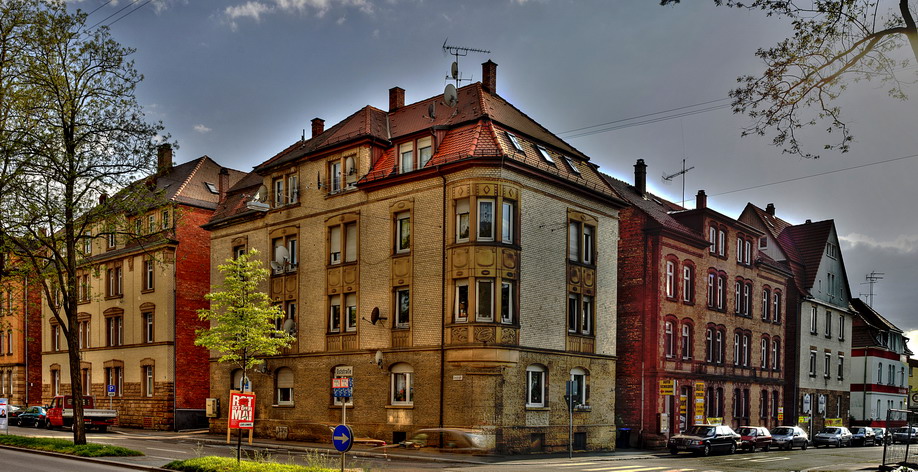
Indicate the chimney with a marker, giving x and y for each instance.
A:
(163, 157)
(701, 200)
(223, 182)
(396, 98)
(318, 126)
(489, 76)
(770, 209)
(640, 177)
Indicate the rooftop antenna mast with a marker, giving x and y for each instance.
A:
(458, 51)
(669, 178)
(872, 278)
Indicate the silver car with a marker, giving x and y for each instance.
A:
(833, 435)
(787, 437)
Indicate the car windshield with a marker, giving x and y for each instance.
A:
(702, 431)
(831, 431)
(747, 431)
(783, 431)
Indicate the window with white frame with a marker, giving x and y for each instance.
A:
(712, 238)
(670, 279)
(688, 283)
(462, 220)
(507, 302)
(485, 219)
(709, 345)
(402, 232)
(342, 243)
(280, 196)
(402, 308)
(581, 242)
(765, 349)
(148, 274)
(334, 176)
(508, 222)
(828, 324)
(114, 330)
(841, 327)
(406, 157)
(721, 242)
(686, 341)
(484, 300)
(462, 301)
(827, 368)
(880, 373)
(148, 333)
(579, 389)
(164, 219)
(484, 296)
(293, 188)
(814, 320)
(515, 141)
(669, 340)
(55, 382)
(151, 223)
(841, 366)
(402, 385)
(535, 386)
(284, 382)
(766, 303)
(776, 354)
(55, 337)
(147, 380)
(545, 155)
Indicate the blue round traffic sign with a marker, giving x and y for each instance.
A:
(342, 438)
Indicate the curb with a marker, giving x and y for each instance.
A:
(94, 460)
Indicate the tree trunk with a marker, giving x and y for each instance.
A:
(912, 33)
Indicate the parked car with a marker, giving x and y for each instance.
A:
(786, 437)
(863, 436)
(882, 436)
(837, 435)
(60, 414)
(702, 439)
(36, 416)
(12, 414)
(754, 437)
(907, 434)
(448, 439)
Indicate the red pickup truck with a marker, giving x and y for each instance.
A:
(60, 413)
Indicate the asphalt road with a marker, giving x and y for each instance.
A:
(161, 449)
(31, 462)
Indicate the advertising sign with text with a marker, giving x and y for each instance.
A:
(242, 410)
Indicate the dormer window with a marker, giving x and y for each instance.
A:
(408, 160)
(544, 153)
(515, 141)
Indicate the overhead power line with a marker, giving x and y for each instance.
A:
(645, 116)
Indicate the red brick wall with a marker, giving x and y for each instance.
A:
(192, 282)
(33, 344)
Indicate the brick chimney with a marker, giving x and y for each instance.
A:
(163, 157)
(701, 200)
(223, 182)
(489, 76)
(770, 209)
(640, 177)
(318, 126)
(396, 98)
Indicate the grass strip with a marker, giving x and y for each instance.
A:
(64, 446)
(228, 464)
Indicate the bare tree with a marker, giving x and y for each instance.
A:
(835, 43)
(83, 136)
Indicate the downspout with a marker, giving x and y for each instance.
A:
(25, 334)
(175, 260)
(443, 298)
(643, 354)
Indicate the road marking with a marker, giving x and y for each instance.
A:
(627, 468)
(168, 450)
(770, 459)
(576, 464)
(163, 458)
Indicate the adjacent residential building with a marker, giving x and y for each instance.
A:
(142, 280)
(819, 322)
(20, 322)
(879, 369)
(701, 319)
(912, 383)
(448, 258)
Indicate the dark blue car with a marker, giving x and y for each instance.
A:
(35, 416)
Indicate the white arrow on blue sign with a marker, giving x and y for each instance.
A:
(341, 438)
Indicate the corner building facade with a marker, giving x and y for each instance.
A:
(701, 325)
(459, 264)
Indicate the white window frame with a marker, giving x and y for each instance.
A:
(334, 176)
(721, 242)
(463, 220)
(579, 384)
(350, 312)
(401, 376)
(483, 232)
(283, 395)
(586, 319)
(148, 380)
(515, 141)
(335, 314)
(484, 300)
(403, 310)
(828, 324)
(403, 232)
(544, 153)
(507, 302)
(686, 341)
(687, 283)
(536, 377)
(280, 196)
(507, 221)
(406, 157)
(670, 279)
(425, 151)
(459, 315)
(293, 189)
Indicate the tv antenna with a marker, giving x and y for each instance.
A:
(872, 278)
(458, 51)
(669, 178)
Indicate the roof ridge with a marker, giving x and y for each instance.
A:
(191, 174)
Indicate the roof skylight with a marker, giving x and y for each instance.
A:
(545, 155)
(570, 163)
(212, 188)
(515, 141)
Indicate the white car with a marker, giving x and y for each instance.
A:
(833, 435)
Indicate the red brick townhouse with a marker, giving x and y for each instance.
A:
(20, 321)
(700, 327)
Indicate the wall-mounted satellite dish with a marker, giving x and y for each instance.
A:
(281, 259)
(289, 326)
(374, 316)
(454, 70)
(450, 96)
(258, 201)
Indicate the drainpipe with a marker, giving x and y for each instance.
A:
(174, 338)
(25, 334)
(442, 298)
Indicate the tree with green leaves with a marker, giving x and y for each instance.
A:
(243, 320)
(72, 132)
(835, 43)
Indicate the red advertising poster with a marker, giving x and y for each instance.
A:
(242, 410)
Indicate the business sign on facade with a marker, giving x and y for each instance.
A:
(803, 419)
(834, 422)
(667, 387)
(807, 403)
(699, 402)
(780, 415)
(242, 410)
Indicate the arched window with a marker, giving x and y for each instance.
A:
(283, 380)
(719, 346)
(709, 344)
(402, 384)
(766, 303)
(536, 386)
(236, 382)
(765, 349)
(776, 354)
(686, 340)
(580, 386)
(670, 279)
(668, 339)
(776, 311)
(688, 283)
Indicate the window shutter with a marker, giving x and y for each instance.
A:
(285, 378)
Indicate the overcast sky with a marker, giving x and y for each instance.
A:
(239, 80)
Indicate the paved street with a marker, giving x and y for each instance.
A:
(163, 447)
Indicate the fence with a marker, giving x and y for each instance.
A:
(900, 447)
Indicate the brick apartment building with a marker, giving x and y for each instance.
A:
(140, 286)
(879, 369)
(457, 260)
(20, 321)
(701, 319)
(819, 318)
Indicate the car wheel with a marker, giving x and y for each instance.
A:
(767, 447)
(673, 451)
(37, 424)
(706, 450)
(804, 446)
(732, 448)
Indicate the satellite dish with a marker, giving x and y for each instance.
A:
(450, 96)
(454, 70)
(261, 195)
(289, 326)
(281, 255)
(374, 316)
(277, 267)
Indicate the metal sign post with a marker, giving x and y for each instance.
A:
(342, 438)
(569, 396)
